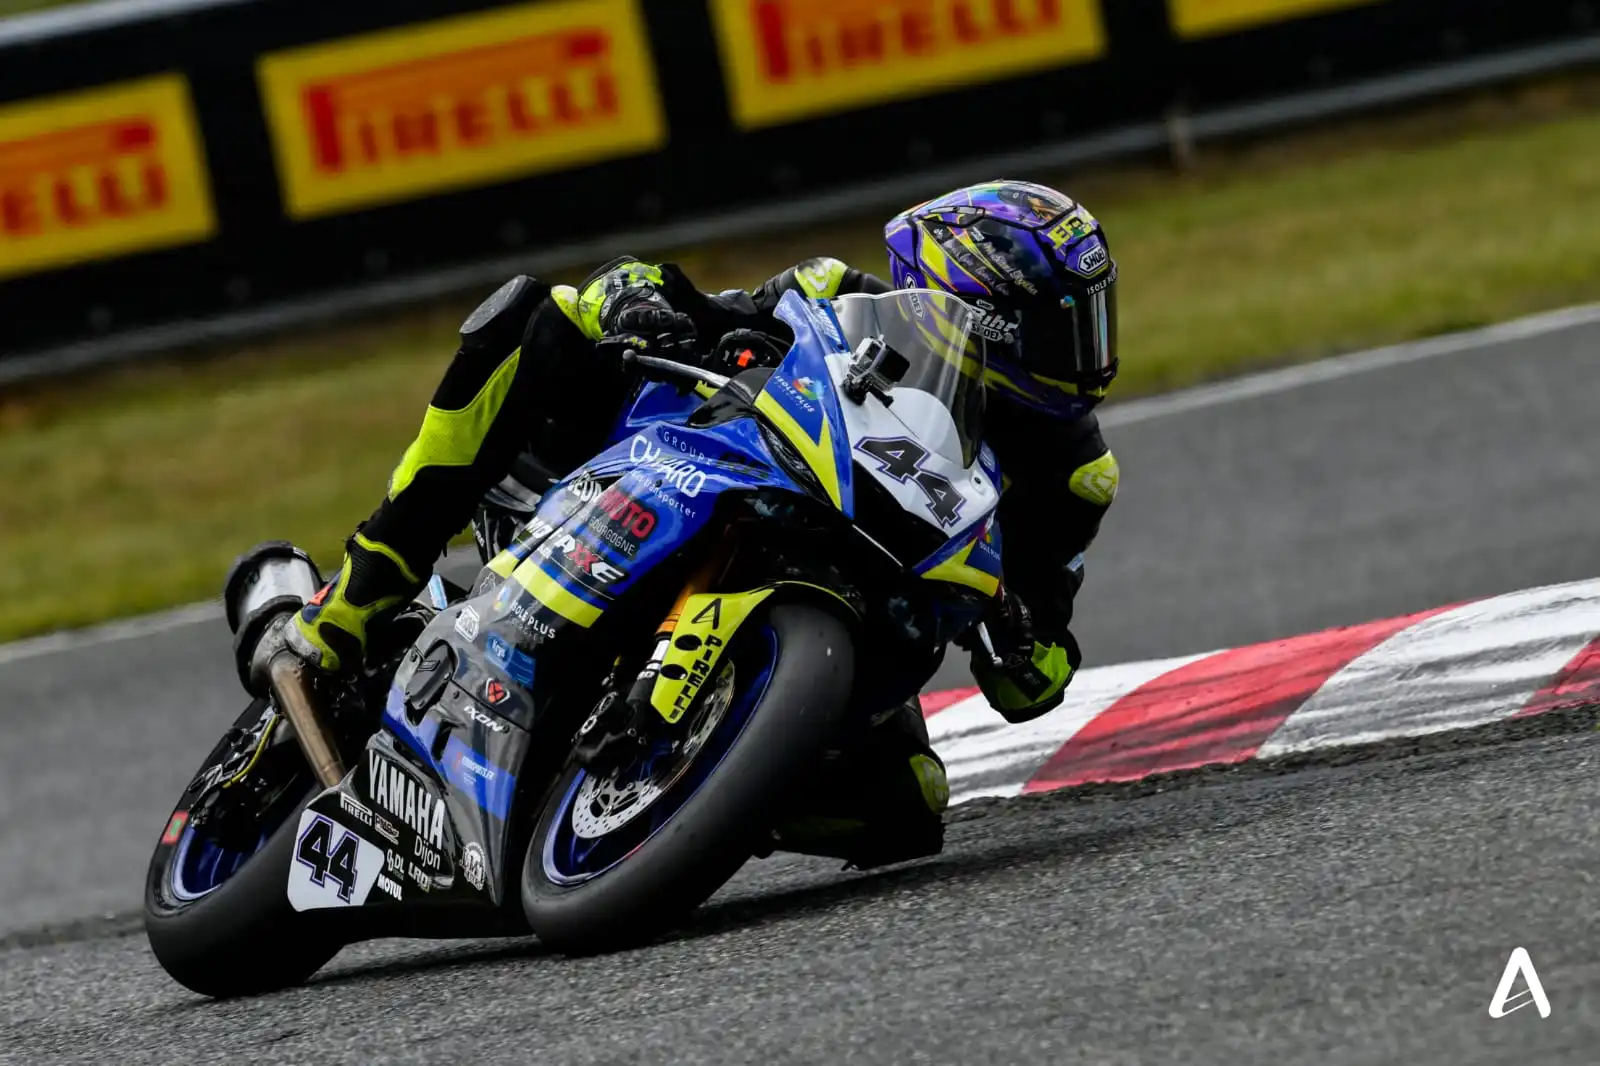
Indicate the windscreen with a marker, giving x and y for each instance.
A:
(940, 396)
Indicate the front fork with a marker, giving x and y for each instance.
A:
(628, 722)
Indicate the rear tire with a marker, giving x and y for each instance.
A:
(705, 842)
(242, 937)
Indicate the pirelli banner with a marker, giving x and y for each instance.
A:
(192, 160)
(100, 172)
(790, 59)
(472, 100)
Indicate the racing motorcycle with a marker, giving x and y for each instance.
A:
(593, 738)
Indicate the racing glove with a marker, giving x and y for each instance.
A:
(1022, 677)
(650, 329)
(330, 632)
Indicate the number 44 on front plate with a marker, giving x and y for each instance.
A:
(333, 867)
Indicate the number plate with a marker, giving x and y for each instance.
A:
(332, 867)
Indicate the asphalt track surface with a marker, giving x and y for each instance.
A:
(1312, 912)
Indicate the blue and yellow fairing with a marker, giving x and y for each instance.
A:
(802, 403)
(971, 560)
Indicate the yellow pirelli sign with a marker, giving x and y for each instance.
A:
(463, 101)
(1206, 18)
(795, 59)
(100, 173)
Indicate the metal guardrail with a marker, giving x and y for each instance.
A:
(1299, 108)
(35, 26)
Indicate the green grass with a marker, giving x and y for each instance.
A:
(133, 490)
(18, 7)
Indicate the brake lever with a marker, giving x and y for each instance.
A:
(668, 368)
(988, 644)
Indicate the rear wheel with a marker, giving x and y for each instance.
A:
(216, 906)
(615, 860)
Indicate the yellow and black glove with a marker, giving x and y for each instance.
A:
(1021, 675)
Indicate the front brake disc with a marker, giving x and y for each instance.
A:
(605, 804)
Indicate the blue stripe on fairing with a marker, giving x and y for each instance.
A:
(492, 794)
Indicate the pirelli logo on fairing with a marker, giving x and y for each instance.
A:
(104, 172)
(463, 101)
(793, 59)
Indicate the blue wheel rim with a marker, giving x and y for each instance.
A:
(201, 866)
(570, 860)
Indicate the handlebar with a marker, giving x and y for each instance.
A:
(658, 369)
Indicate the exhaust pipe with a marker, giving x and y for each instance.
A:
(266, 585)
(286, 676)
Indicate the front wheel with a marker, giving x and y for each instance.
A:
(216, 908)
(616, 860)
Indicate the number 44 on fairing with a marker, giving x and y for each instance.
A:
(333, 867)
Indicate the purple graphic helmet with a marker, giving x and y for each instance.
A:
(1037, 268)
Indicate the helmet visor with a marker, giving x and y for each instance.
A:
(1095, 323)
(1076, 346)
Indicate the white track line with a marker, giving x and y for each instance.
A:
(1197, 398)
(111, 632)
(1288, 378)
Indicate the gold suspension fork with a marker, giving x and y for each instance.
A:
(702, 579)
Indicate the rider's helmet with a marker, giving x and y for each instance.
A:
(1036, 268)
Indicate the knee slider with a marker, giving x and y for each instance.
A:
(499, 320)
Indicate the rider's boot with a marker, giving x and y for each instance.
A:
(331, 631)
(879, 799)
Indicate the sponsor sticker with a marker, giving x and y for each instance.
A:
(1205, 18)
(468, 765)
(399, 870)
(581, 490)
(385, 829)
(531, 534)
(397, 792)
(517, 664)
(682, 475)
(581, 562)
(521, 608)
(100, 173)
(1092, 258)
(622, 521)
(467, 623)
(175, 827)
(459, 102)
(472, 865)
(794, 59)
(355, 808)
(489, 721)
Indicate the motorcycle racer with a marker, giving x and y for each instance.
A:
(534, 372)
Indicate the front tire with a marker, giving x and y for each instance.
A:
(800, 706)
(222, 925)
